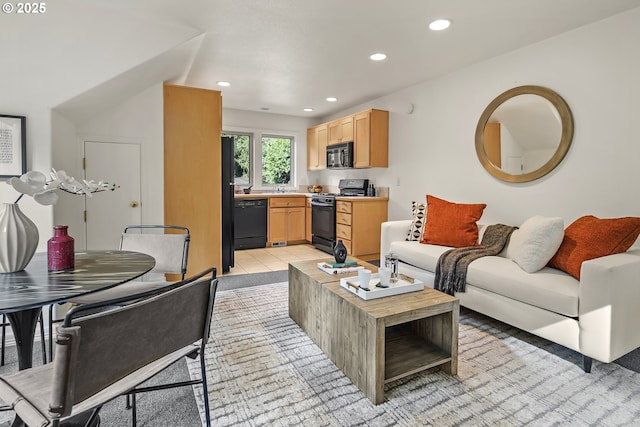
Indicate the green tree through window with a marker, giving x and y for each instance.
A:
(242, 156)
(276, 159)
(276, 152)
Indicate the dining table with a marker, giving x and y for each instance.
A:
(24, 293)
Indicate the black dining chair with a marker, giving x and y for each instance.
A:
(107, 349)
(170, 251)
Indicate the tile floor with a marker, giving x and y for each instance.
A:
(272, 259)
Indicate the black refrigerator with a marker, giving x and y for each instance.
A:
(227, 203)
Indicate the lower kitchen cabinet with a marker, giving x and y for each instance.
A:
(308, 226)
(358, 223)
(287, 222)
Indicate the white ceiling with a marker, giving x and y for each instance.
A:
(283, 55)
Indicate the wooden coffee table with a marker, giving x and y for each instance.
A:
(377, 341)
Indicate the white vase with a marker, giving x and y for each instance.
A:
(18, 238)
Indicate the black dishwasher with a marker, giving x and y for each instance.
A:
(250, 223)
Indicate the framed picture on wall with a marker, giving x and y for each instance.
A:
(13, 145)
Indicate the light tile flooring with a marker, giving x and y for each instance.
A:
(272, 259)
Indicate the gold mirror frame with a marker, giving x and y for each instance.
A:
(565, 139)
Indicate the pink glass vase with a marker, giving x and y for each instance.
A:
(60, 250)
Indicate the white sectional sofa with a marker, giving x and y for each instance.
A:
(597, 316)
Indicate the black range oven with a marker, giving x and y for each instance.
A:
(323, 212)
(323, 221)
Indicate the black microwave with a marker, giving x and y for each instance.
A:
(340, 156)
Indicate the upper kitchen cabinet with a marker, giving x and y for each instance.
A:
(369, 131)
(192, 154)
(371, 139)
(317, 138)
(341, 130)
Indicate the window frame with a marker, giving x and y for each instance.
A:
(292, 143)
(255, 155)
(251, 137)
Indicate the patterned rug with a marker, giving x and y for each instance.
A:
(263, 370)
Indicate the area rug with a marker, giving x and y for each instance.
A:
(263, 370)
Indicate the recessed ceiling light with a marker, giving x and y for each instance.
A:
(439, 24)
(223, 83)
(332, 99)
(378, 57)
(307, 109)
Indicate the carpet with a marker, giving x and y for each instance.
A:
(263, 370)
(235, 281)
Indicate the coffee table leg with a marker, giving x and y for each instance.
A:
(450, 339)
(377, 335)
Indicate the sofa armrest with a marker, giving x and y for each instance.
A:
(392, 231)
(609, 314)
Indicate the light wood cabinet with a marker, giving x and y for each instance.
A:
(317, 139)
(358, 225)
(371, 139)
(369, 131)
(192, 153)
(492, 144)
(307, 220)
(340, 130)
(286, 219)
(312, 148)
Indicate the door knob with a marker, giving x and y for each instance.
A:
(134, 204)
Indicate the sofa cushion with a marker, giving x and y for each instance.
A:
(535, 242)
(589, 237)
(451, 224)
(419, 211)
(418, 255)
(548, 288)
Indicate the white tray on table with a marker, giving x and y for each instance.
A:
(402, 286)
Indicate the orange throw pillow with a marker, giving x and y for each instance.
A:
(451, 224)
(589, 237)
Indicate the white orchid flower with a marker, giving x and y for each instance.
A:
(35, 184)
(46, 198)
(30, 183)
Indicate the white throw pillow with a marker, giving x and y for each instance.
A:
(419, 211)
(535, 242)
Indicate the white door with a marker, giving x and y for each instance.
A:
(108, 214)
(514, 165)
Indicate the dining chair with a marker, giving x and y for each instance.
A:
(107, 349)
(170, 251)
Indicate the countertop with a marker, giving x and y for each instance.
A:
(257, 195)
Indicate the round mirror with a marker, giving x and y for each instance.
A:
(524, 133)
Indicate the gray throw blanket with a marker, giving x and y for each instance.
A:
(451, 270)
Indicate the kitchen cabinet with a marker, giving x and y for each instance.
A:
(317, 138)
(307, 219)
(371, 139)
(192, 153)
(287, 220)
(340, 130)
(358, 223)
(369, 131)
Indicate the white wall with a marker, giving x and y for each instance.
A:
(596, 69)
(138, 119)
(38, 158)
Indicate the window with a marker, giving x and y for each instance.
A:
(242, 156)
(263, 160)
(276, 159)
